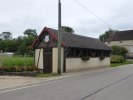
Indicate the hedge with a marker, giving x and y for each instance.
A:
(19, 71)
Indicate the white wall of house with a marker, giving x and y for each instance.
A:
(78, 63)
(55, 59)
(39, 63)
(128, 44)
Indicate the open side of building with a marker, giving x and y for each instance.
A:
(77, 52)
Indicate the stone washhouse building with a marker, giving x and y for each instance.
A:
(77, 52)
(123, 39)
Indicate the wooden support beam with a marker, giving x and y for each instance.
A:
(102, 54)
(95, 53)
(67, 52)
(81, 52)
(98, 53)
(87, 53)
(74, 52)
(91, 53)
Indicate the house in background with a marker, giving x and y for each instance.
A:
(78, 52)
(123, 39)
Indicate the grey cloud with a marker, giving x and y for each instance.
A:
(18, 15)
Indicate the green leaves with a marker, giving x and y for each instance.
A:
(19, 45)
(117, 59)
(30, 32)
(121, 51)
(67, 29)
(106, 35)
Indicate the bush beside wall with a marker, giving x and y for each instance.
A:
(117, 59)
(19, 71)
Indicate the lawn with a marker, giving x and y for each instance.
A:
(119, 64)
(29, 61)
(17, 61)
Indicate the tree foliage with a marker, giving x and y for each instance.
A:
(30, 32)
(106, 35)
(117, 59)
(67, 29)
(19, 45)
(6, 36)
(120, 51)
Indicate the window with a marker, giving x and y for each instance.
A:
(46, 39)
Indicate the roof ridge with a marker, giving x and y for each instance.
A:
(86, 36)
(124, 31)
(121, 35)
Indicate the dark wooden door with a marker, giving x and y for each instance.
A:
(47, 68)
(64, 62)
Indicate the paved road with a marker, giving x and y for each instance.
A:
(108, 84)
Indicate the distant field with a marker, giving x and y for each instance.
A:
(17, 61)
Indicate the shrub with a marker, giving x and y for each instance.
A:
(117, 59)
(85, 58)
(121, 51)
(101, 58)
(18, 69)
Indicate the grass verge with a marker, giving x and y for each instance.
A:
(120, 64)
(17, 61)
(47, 75)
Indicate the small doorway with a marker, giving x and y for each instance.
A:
(47, 68)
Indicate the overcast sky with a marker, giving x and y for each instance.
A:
(18, 15)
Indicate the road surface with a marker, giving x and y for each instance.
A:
(105, 84)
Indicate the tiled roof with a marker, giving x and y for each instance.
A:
(121, 35)
(78, 41)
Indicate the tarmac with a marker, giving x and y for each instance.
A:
(10, 82)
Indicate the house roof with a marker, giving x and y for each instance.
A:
(121, 35)
(76, 41)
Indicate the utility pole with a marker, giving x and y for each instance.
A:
(59, 37)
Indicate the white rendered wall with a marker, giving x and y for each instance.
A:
(78, 63)
(40, 62)
(55, 59)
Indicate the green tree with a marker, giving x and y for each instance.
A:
(106, 35)
(6, 36)
(11, 45)
(22, 49)
(120, 51)
(30, 32)
(67, 29)
(2, 45)
(19, 45)
(25, 43)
